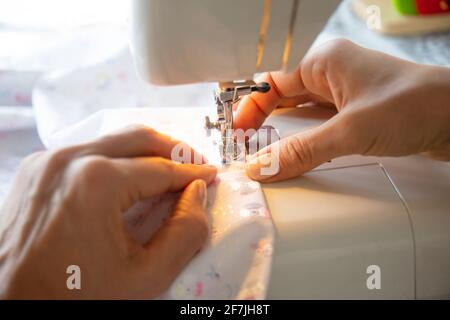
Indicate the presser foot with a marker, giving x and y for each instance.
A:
(226, 96)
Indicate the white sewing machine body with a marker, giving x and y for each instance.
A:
(333, 225)
(177, 42)
(335, 222)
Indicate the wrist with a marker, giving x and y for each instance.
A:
(436, 97)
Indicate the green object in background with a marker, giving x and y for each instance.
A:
(407, 7)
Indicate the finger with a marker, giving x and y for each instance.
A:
(292, 156)
(304, 99)
(147, 177)
(179, 238)
(138, 141)
(256, 107)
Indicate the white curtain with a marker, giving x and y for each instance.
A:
(46, 35)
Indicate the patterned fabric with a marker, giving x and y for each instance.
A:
(235, 262)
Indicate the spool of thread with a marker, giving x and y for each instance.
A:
(422, 7)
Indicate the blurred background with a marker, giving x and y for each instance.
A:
(42, 36)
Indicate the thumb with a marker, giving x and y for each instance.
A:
(180, 237)
(294, 155)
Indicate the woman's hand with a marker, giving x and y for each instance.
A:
(386, 107)
(66, 206)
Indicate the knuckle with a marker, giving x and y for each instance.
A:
(337, 45)
(31, 159)
(143, 131)
(297, 155)
(58, 159)
(30, 168)
(333, 50)
(165, 165)
(94, 171)
(329, 53)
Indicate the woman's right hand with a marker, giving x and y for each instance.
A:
(386, 107)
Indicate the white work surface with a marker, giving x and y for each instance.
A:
(105, 66)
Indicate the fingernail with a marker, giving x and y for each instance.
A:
(202, 192)
(255, 166)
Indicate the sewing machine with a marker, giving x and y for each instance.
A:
(178, 42)
(347, 221)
